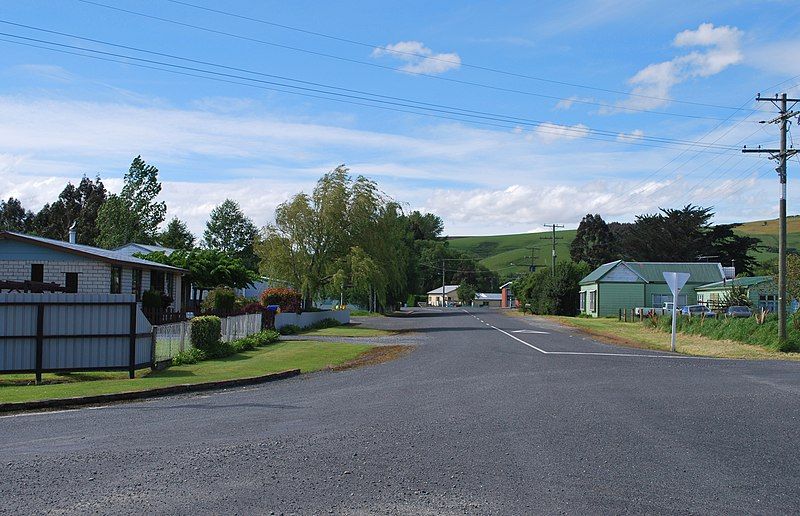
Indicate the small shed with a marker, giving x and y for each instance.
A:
(489, 299)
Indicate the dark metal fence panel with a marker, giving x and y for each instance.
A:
(61, 332)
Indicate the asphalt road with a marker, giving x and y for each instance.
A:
(484, 417)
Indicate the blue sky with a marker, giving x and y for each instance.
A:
(549, 151)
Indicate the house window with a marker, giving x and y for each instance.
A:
(136, 283)
(37, 272)
(592, 300)
(660, 299)
(71, 282)
(583, 301)
(170, 285)
(157, 281)
(116, 280)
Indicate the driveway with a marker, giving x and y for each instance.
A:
(489, 415)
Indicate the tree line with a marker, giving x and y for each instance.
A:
(344, 240)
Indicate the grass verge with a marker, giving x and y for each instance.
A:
(348, 330)
(308, 356)
(637, 335)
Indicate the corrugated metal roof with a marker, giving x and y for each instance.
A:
(133, 247)
(447, 289)
(599, 272)
(489, 296)
(105, 255)
(737, 282)
(699, 272)
(653, 272)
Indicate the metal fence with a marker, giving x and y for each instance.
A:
(171, 339)
(72, 332)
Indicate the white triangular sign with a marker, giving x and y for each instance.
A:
(676, 281)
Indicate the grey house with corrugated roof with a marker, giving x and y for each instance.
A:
(625, 285)
(83, 268)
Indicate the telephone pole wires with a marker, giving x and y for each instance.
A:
(553, 238)
(781, 155)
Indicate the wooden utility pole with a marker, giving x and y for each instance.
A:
(781, 155)
(553, 238)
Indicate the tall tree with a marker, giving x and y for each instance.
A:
(75, 205)
(425, 226)
(593, 243)
(176, 235)
(14, 217)
(228, 229)
(134, 215)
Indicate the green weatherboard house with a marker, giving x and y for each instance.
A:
(625, 285)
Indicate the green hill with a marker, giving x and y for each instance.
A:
(509, 255)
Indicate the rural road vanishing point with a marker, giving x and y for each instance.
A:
(488, 415)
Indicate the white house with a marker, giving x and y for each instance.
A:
(83, 268)
(489, 299)
(435, 295)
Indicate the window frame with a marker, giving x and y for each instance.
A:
(116, 280)
(37, 269)
(67, 276)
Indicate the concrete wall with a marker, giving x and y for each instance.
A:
(64, 317)
(308, 318)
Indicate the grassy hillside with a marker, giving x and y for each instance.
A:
(499, 252)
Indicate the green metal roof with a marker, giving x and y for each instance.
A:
(599, 272)
(653, 272)
(737, 282)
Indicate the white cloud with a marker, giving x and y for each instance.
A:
(550, 132)
(632, 136)
(570, 101)
(720, 49)
(418, 58)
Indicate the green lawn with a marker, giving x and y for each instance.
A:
(638, 335)
(348, 331)
(308, 356)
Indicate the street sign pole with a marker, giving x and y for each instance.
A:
(675, 282)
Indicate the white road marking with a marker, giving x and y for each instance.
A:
(532, 331)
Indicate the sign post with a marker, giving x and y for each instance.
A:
(675, 282)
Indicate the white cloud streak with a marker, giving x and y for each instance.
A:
(418, 58)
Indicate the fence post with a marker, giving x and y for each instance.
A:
(132, 343)
(619, 315)
(153, 332)
(39, 341)
(184, 324)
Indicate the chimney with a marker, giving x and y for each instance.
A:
(73, 234)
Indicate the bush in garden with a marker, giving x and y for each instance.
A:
(325, 323)
(151, 300)
(190, 356)
(253, 308)
(288, 299)
(290, 329)
(206, 332)
(221, 300)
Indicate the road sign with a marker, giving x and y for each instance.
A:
(675, 282)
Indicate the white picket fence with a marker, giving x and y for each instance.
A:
(174, 338)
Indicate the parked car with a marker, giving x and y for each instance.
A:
(738, 311)
(697, 311)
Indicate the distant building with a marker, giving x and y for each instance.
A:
(134, 248)
(762, 292)
(435, 295)
(507, 296)
(84, 269)
(625, 285)
(490, 299)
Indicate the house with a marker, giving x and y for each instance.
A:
(761, 291)
(489, 299)
(625, 285)
(435, 295)
(84, 269)
(506, 295)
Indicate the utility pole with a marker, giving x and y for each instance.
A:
(443, 270)
(533, 257)
(553, 238)
(781, 155)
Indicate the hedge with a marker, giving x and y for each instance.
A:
(206, 332)
(288, 299)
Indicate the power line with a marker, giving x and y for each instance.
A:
(540, 126)
(373, 46)
(391, 68)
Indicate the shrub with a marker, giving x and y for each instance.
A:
(190, 356)
(267, 337)
(290, 329)
(221, 300)
(206, 332)
(325, 323)
(288, 299)
(253, 308)
(220, 350)
(151, 300)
